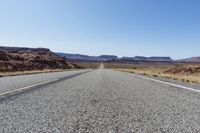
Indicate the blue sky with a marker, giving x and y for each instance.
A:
(95, 27)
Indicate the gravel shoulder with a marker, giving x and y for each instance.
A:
(186, 84)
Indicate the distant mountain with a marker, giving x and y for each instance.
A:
(191, 59)
(142, 58)
(108, 57)
(111, 57)
(24, 49)
(88, 58)
(75, 56)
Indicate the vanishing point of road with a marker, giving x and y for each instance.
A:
(97, 101)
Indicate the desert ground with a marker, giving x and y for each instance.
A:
(187, 72)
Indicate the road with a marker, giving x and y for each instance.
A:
(99, 101)
(17, 82)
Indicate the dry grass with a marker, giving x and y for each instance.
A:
(4, 74)
(161, 72)
(183, 72)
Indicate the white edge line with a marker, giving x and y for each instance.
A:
(175, 85)
(27, 87)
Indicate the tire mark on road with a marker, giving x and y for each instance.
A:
(16, 92)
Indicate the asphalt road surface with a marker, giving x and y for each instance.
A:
(17, 82)
(102, 101)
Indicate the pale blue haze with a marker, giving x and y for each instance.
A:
(94, 27)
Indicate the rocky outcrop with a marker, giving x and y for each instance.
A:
(4, 55)
(20, 59)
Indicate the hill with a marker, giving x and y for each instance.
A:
(21, 59)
